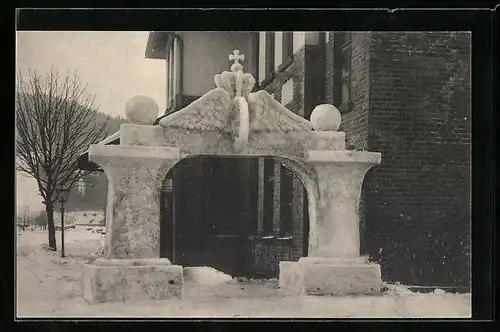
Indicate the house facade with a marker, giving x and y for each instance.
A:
(404, 94)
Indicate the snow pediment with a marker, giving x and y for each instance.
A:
(233, 110)
(216, 111)
(232, 120)
(240, 120)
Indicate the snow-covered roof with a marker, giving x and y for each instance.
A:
(110, 138)
(83, 160)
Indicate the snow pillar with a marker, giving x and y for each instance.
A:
(340, 177)
(131, 268)
(135, 174)
(334, 265)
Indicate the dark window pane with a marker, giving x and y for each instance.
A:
(268, 196)
(170, 72)
(342, 68)
(287, 45)
(269, 53)
(254, 192)
(286, 192)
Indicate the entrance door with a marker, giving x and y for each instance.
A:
(228, 216)
(209, 216)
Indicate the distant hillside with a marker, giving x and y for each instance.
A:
(94, 196)
(113, 123)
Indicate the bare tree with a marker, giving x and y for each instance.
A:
(55, 123)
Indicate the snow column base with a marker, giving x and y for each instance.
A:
(119, 280)
(326, 276)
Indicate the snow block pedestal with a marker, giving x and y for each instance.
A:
(329, 276)
(119, 280)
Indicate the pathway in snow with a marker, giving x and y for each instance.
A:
(48, 285)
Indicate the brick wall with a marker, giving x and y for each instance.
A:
(418, 200)
(411, 101)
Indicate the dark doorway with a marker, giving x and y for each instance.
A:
(210, 211)
(207, 215)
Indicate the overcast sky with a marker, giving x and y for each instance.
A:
(112, 63)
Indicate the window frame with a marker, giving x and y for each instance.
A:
(269, 65)
(268, 192)
(342, 56)
(175, 59)
(269, 54)
(261, 77)
(286, 204)
(287, 49)
(170, 83)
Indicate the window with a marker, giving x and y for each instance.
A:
(167, 77)
(275, 199)
(286, 192)
(262, 56)
(170, 77)
(174, 71)
(176, 74)
(268, 197)
(278, 49)
(269, 53)
(275, 48)
(342, 69)
(283, 48)
(287, 45)
(299, 40)
(327, 36)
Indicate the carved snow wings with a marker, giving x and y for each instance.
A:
(216, 111)
(268, 115)
(210, 112)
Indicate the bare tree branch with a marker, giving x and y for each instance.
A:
(55, 124)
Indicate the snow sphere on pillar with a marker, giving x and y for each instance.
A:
(141, 110)
(326, 117)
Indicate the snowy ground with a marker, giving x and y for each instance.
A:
(50, 286)
(87, 217)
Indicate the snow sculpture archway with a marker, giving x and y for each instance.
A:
(230, 120)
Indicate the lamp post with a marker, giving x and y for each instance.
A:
(63, 198)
